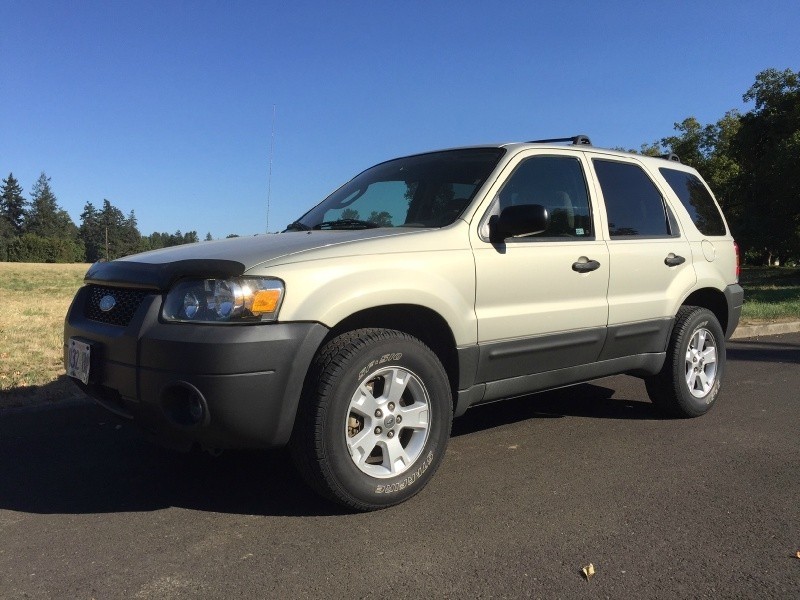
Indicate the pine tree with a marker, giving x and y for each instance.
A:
(132, 239)
(12, 205)
(110, 226)
(44, 217)
(113, 221)
(91, 232)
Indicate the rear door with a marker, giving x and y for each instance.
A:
(651, 260)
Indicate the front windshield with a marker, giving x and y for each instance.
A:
(427, 190)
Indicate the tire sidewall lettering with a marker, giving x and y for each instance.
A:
(381, 360)
(407, 480)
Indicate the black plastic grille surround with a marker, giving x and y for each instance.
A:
(126, 301)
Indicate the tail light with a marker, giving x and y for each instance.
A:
(738, 261)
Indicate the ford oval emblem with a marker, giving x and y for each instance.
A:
(107, 303)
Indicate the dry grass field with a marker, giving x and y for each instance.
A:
(33, 301)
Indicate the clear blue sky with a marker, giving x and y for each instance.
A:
(165, 108)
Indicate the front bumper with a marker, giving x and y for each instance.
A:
(247, 379)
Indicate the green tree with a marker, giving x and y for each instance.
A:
(719, 168)
(44, 216)
(689, 143)
(707, 148)
(383, 218)
(30, 247)
(12, 207)
(158, 240)
(131, 237)
(108, 233)
(750, 161)
(6, 231)
(92, 233)
(766, 148)
(208, 237)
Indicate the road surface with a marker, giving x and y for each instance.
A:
(531, 490)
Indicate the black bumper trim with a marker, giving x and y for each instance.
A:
(734, 295)
(250, 377)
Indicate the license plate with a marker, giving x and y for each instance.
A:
(78, 360)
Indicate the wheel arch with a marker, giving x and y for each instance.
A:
(713, 300)
(423, 323)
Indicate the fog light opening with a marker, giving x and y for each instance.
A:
(184, 405)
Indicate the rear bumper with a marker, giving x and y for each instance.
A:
(243, 382)
(734, 295)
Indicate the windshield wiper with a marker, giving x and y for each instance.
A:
(346, 224)
(297, 226)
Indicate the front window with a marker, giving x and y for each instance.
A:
(427, 190)
(558, 184)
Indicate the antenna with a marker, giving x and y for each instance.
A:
(271, 151)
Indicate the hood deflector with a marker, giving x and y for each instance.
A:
(160, 276)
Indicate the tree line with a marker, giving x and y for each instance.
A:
(39, 230)
(751, 161)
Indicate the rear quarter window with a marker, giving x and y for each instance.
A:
(696, 200)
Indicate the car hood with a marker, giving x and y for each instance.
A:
(225, 258)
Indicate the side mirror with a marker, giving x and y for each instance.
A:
(514, 221)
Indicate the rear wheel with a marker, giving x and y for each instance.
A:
(375, 419)
(689, 381)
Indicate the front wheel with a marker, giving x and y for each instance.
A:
(689, 381)
(375, 419)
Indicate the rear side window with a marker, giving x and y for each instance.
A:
(634, 205)
(696, 200)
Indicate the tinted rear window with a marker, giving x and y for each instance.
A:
(633, 203)
(696, 200)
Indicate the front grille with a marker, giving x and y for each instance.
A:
(126, 301)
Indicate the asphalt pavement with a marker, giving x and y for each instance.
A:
(531, 490)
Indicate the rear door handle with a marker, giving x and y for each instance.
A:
(584, 265)
(673, 260)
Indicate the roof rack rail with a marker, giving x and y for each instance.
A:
(577, 140)
(670, 156)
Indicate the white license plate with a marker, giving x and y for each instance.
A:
(78, 360)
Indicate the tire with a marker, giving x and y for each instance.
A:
(690, 379)
(374, 420)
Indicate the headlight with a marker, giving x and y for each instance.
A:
(234, 300)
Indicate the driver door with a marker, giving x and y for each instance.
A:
(537, 308)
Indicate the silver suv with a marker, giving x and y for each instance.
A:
(424, 286)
